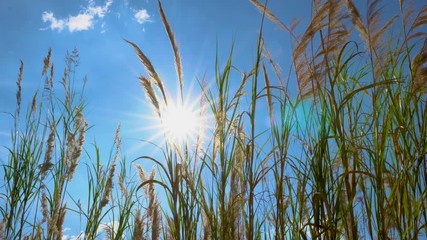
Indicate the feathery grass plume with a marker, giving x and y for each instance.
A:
(316, 24)
(153, 207)
(236, 200)
(309, 72)
(80, 126)
(109, 183)
(357, 20)
(154, 77)
(48, 84)
(276, 68)
(150, 94)
(264, 10)
(415, 29)
(156, 219)
(138, 226)
(122, 186)
(64, 83)
(337, 32)
(50, 145)
(178, 64)
(34, 103)
(19, 93)
(2, 223)
(52, 74)
(108, 186)
(60, 222)
(109, 231)
(141, 173)
(371, 33)
(71, 144)
(206, 227)
(44, 205)
(46, 62)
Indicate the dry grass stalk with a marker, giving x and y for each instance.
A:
(172, 40)
(60, 222)
(276, 68)
(154, 77)
(153, 211)
(150, 94)
(337, 34)
(236, 201)
(415, 30)
(264, 10)
(75, 148)
(34, 104)
(64, 83)
(156, 219)
(109, 231)
(309, 72)
(357, 20)
(50, 145)
(371, 33)
(109, 183)
(141, 173)
(108, 186)
(52, 73)
(19, 93)
(206, 227)
(46, 62)
(2, 223)
(138, 226)
(44, 205)
(122, 186)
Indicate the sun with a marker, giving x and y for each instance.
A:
(180, 123)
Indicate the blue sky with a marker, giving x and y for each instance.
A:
(98, 29)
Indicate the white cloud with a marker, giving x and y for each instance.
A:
(142, 16)
(99, 11)
(80, 22)
(55, 24)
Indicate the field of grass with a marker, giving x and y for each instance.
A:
(346, 159)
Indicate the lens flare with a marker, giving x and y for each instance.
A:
(180, 123)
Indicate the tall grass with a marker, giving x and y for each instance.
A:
(344, 159)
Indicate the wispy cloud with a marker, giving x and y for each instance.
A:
(99, 11)
(55, 24)
(142, 16)
(80, 22)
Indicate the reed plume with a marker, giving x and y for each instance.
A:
(177, 56)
